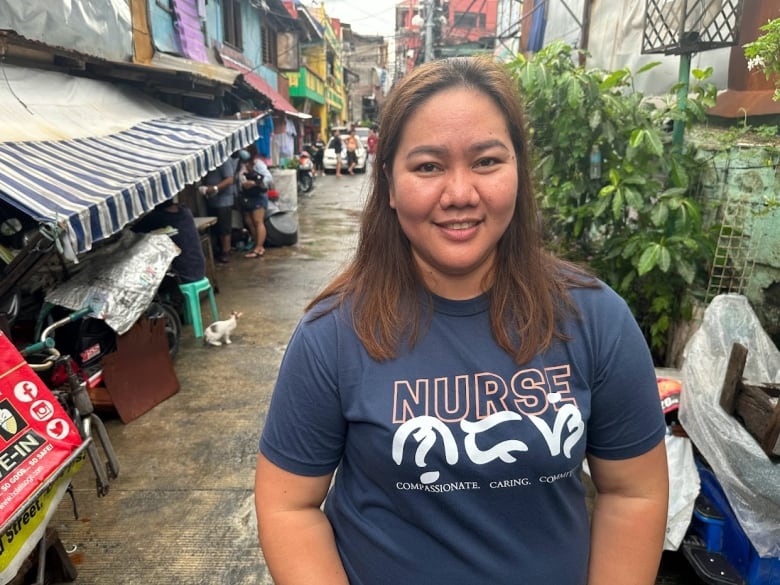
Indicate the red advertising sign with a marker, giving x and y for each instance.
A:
(36, 434)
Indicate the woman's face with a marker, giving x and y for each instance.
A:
(453, 186)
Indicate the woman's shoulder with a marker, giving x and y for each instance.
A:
(327, 313)
(326, 326)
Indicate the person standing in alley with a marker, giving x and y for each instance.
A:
(319, 151)
(337, 147)
(261, 168)
(220, 192)
(254, 179)
(371, 143)
(352, 146)
(437, 402)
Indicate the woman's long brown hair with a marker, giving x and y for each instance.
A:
(529, 288)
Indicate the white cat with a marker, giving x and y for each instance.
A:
(218, 331)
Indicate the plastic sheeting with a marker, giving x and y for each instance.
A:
(104, 27)
(615, 41)
(684, 486)
(120, 281)
(749, 478)
(37, 105)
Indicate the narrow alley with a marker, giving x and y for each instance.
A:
(181, 510)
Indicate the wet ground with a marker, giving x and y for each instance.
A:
(182, 508)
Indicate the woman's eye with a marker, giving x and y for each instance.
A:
(486, 162)
(427, 167)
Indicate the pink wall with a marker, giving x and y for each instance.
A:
(467, 33)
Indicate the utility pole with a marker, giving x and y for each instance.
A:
(429, 30)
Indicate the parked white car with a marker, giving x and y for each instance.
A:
(362, 133)
(329, 156)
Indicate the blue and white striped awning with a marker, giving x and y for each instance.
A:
(95, 186)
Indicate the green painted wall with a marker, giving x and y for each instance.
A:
(743, 182)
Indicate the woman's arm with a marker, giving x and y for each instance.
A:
(295, 535)
(629, 518)
(243, 183)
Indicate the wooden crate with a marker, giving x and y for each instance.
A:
(755, 406)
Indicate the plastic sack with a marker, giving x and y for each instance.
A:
(749, 478)
(683, 489)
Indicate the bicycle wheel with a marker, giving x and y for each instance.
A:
(158, 310)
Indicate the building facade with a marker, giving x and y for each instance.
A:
(366, 57)
(431, 29)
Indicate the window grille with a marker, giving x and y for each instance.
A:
(677, 27)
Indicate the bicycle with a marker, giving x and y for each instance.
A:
(74, 398)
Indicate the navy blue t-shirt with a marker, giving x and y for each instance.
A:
(456, 465)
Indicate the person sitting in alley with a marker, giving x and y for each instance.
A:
(190, 264)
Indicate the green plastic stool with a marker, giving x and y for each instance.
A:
(192, 314)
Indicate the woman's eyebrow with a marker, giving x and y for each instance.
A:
(487, 144)
(430, 149)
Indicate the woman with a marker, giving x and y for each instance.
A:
(253, 201)
(457, 376)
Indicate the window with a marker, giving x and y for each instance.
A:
(270, 47)
(400, 18)
(288, 57)
(231, 23)
(470, 20)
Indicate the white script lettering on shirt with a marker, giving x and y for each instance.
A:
(566, 431)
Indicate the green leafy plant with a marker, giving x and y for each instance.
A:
(636, 220)
(764, 53)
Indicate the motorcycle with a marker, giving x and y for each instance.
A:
(305, 173)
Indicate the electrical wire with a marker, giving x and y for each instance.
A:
(8, 81)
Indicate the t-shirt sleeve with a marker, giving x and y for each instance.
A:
(262, 170)
(227, 169)
(626, 417)
(305, 429)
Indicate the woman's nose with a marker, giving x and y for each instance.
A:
(459, 189)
